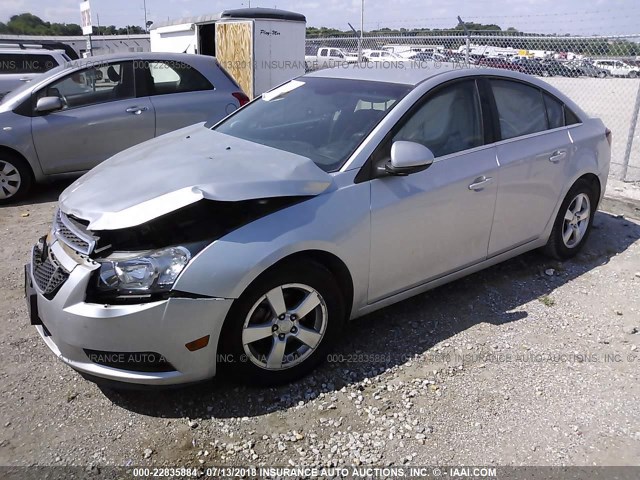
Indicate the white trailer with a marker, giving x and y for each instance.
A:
(260, 47)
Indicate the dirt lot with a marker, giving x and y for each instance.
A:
(531, 362)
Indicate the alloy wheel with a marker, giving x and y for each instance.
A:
(576, 220)
(10, 180)
(284, 327)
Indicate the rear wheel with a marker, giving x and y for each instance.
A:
(573, 223)
(283, 325)
(15, 177)
(633, 74)
(602, 74)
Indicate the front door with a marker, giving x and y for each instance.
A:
(437, 221)
(101, 117)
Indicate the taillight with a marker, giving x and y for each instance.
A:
(607, 133)
(241, 97)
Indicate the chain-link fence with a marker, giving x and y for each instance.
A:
(601, 74)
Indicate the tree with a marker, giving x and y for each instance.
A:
(29, 24)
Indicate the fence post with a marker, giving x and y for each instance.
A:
(632, 131)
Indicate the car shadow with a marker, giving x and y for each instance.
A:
(389, 337)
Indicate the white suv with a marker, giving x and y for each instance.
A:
(19, 65)
(618, 68)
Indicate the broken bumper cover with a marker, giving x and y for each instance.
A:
(91, 337)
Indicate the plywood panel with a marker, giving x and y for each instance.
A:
(234, 51)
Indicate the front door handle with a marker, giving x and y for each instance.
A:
(136, 110)
(25, 79)
(480, 182)
(557, 156)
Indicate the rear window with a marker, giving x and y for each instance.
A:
(17, 63)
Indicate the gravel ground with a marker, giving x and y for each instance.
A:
(531, 362)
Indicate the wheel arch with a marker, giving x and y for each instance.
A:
(328, 260)
(13, 151)
(595, 182)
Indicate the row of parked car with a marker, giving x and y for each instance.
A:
(326, 57)
(574, 68)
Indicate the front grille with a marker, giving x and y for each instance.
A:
(48, 274)
(131, 361)
(73, 233)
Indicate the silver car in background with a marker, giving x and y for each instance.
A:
(85, 111)
(245, 247)
(21, 64)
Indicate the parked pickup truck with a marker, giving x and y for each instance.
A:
(327, 57)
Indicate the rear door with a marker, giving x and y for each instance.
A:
(101, 117)
(534, 156)
(181, 95)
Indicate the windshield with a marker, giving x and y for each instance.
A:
(324, 119)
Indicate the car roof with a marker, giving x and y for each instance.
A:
(113, 57)
(402, 74)
(30, 51)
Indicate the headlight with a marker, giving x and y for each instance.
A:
(149, 272)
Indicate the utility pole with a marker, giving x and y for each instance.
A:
(466, 33)
(361, 32)
(144, 3)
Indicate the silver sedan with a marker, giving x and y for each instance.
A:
(85, 111)
(329, 197)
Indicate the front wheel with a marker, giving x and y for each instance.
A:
(283, 325)
(573, 223)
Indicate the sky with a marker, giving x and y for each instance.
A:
(600, 17)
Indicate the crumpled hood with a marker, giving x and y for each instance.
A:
(182, 167)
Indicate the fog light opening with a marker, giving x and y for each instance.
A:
(198, 344)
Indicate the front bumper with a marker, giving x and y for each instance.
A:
(70, 326)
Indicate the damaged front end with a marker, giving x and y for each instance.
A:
(141, 263)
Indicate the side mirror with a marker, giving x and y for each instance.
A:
(407, 158)
(48, 104)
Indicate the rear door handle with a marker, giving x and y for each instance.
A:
(136, 110)
(557, 156)
(480, 182)
(25, 79)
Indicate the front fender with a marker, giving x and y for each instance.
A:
(336, 222)
(15, 134)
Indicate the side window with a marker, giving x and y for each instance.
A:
(520, 108)
(323, 52)
(570, 117)
(449, 121)
(22, 64)
(173, 77)
(99, 84)
(555, 111)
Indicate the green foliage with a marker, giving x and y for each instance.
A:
(29, 24)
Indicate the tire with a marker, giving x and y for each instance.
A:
(252, 363)
(633, 74)
(15, 178)
(573, 223)
(602, 74)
